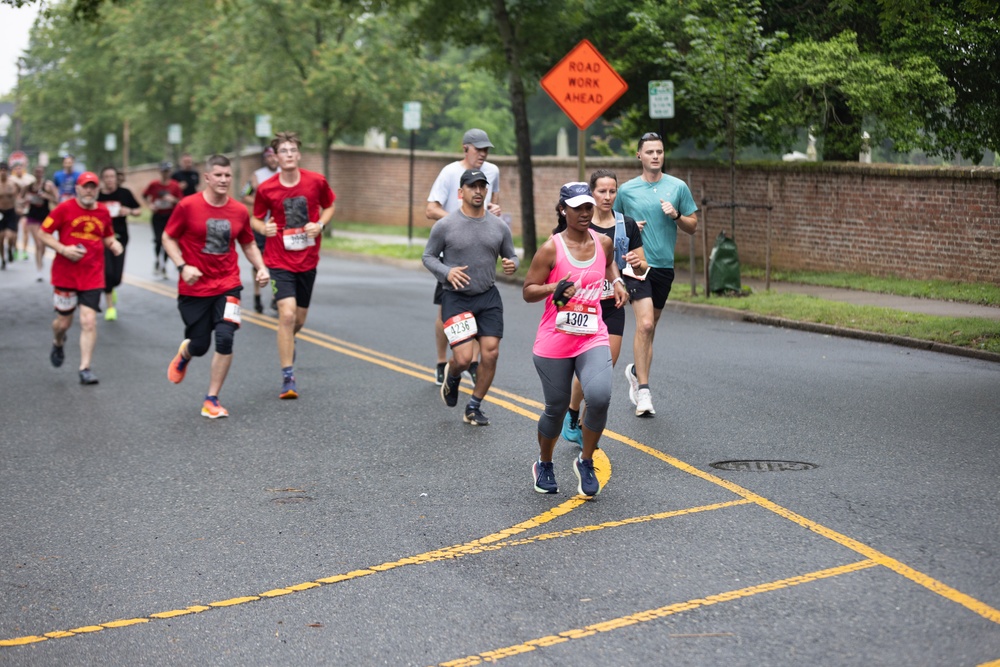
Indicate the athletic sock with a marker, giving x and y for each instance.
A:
(574, 418)
(643, 386)
(474, 403)
(288, 371)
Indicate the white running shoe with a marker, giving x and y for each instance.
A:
(644, 404)
(633, 382)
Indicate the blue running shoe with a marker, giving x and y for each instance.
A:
(572, 434)
(288, 390)
(545, 477)
(587, 481)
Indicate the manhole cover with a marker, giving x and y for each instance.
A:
(288, 500)
(763, 466)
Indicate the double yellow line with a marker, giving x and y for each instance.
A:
(502, 539)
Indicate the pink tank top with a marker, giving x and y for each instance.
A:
(578, 326)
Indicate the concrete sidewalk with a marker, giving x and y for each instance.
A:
(683, 279)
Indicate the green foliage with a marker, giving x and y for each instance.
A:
(808, 79)
(723, 69)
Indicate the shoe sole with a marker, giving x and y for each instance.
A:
(90, 382)
(470, 420)
(579, 484)
(632, 388)
(288, 395)
(173, 363)
(534, 480)
(444, 385)
(567, 438)
(645, 413)
(206, 413)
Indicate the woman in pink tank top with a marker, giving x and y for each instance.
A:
(568, 273)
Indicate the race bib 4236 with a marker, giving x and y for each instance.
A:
(461, 328)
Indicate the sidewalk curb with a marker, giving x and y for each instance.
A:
(721, 312)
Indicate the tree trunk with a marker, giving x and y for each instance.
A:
(522, 133)
(842, 135)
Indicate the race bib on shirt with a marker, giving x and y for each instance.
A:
(607, 289)
(296, 239)
(64, 301)
(461, 328)
(114, 208)
(577, 319)
(232, 311)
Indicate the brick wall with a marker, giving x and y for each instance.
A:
(911, 222)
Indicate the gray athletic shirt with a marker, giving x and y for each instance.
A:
(472, 242)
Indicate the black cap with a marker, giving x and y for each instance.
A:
(470, 176)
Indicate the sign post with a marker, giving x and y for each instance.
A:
(584, 86)
(411, 122)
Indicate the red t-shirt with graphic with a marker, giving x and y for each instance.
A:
(291, 208)
(208, 236)
(77, 225)
(157, 192)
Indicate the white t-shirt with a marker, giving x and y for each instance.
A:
(445, 188)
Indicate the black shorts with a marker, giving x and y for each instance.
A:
(660, 281)
(285, 284)
(438, 291)
(10, 218)
(202, 313)
(638, 289)
(90, 298)
(614, 318)
(486, 307)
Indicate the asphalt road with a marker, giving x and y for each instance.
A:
(365, 524)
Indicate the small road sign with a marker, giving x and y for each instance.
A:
(661, 99)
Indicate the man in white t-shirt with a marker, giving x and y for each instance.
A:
(443, 199)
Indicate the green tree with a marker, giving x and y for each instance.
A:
(832, 85)
(723, 72)
(521, 40)
(960, 37)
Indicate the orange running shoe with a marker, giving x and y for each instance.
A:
(211, 408)
(178, 365)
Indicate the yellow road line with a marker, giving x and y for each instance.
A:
(407, 368)
(653, 614)
(896, 566)
(992, 663)
(489, 543)
(967, 601)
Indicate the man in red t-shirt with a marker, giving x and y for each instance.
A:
(161, 196)
(301, 204)
(200, 239)
(85, 230)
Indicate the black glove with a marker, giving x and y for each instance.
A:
(559, 296)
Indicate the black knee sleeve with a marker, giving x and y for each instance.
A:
(224, 334)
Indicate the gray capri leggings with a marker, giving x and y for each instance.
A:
(593, 367)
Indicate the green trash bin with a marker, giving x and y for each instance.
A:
(724, 266)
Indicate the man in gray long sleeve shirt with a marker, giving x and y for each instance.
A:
(470, 241)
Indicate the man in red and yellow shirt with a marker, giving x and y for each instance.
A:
(84, 230)
(301, 204)
(201, 238)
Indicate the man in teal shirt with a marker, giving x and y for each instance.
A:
(660, 204)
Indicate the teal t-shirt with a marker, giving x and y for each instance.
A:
(641, 200)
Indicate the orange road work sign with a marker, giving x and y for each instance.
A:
(583, 84)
